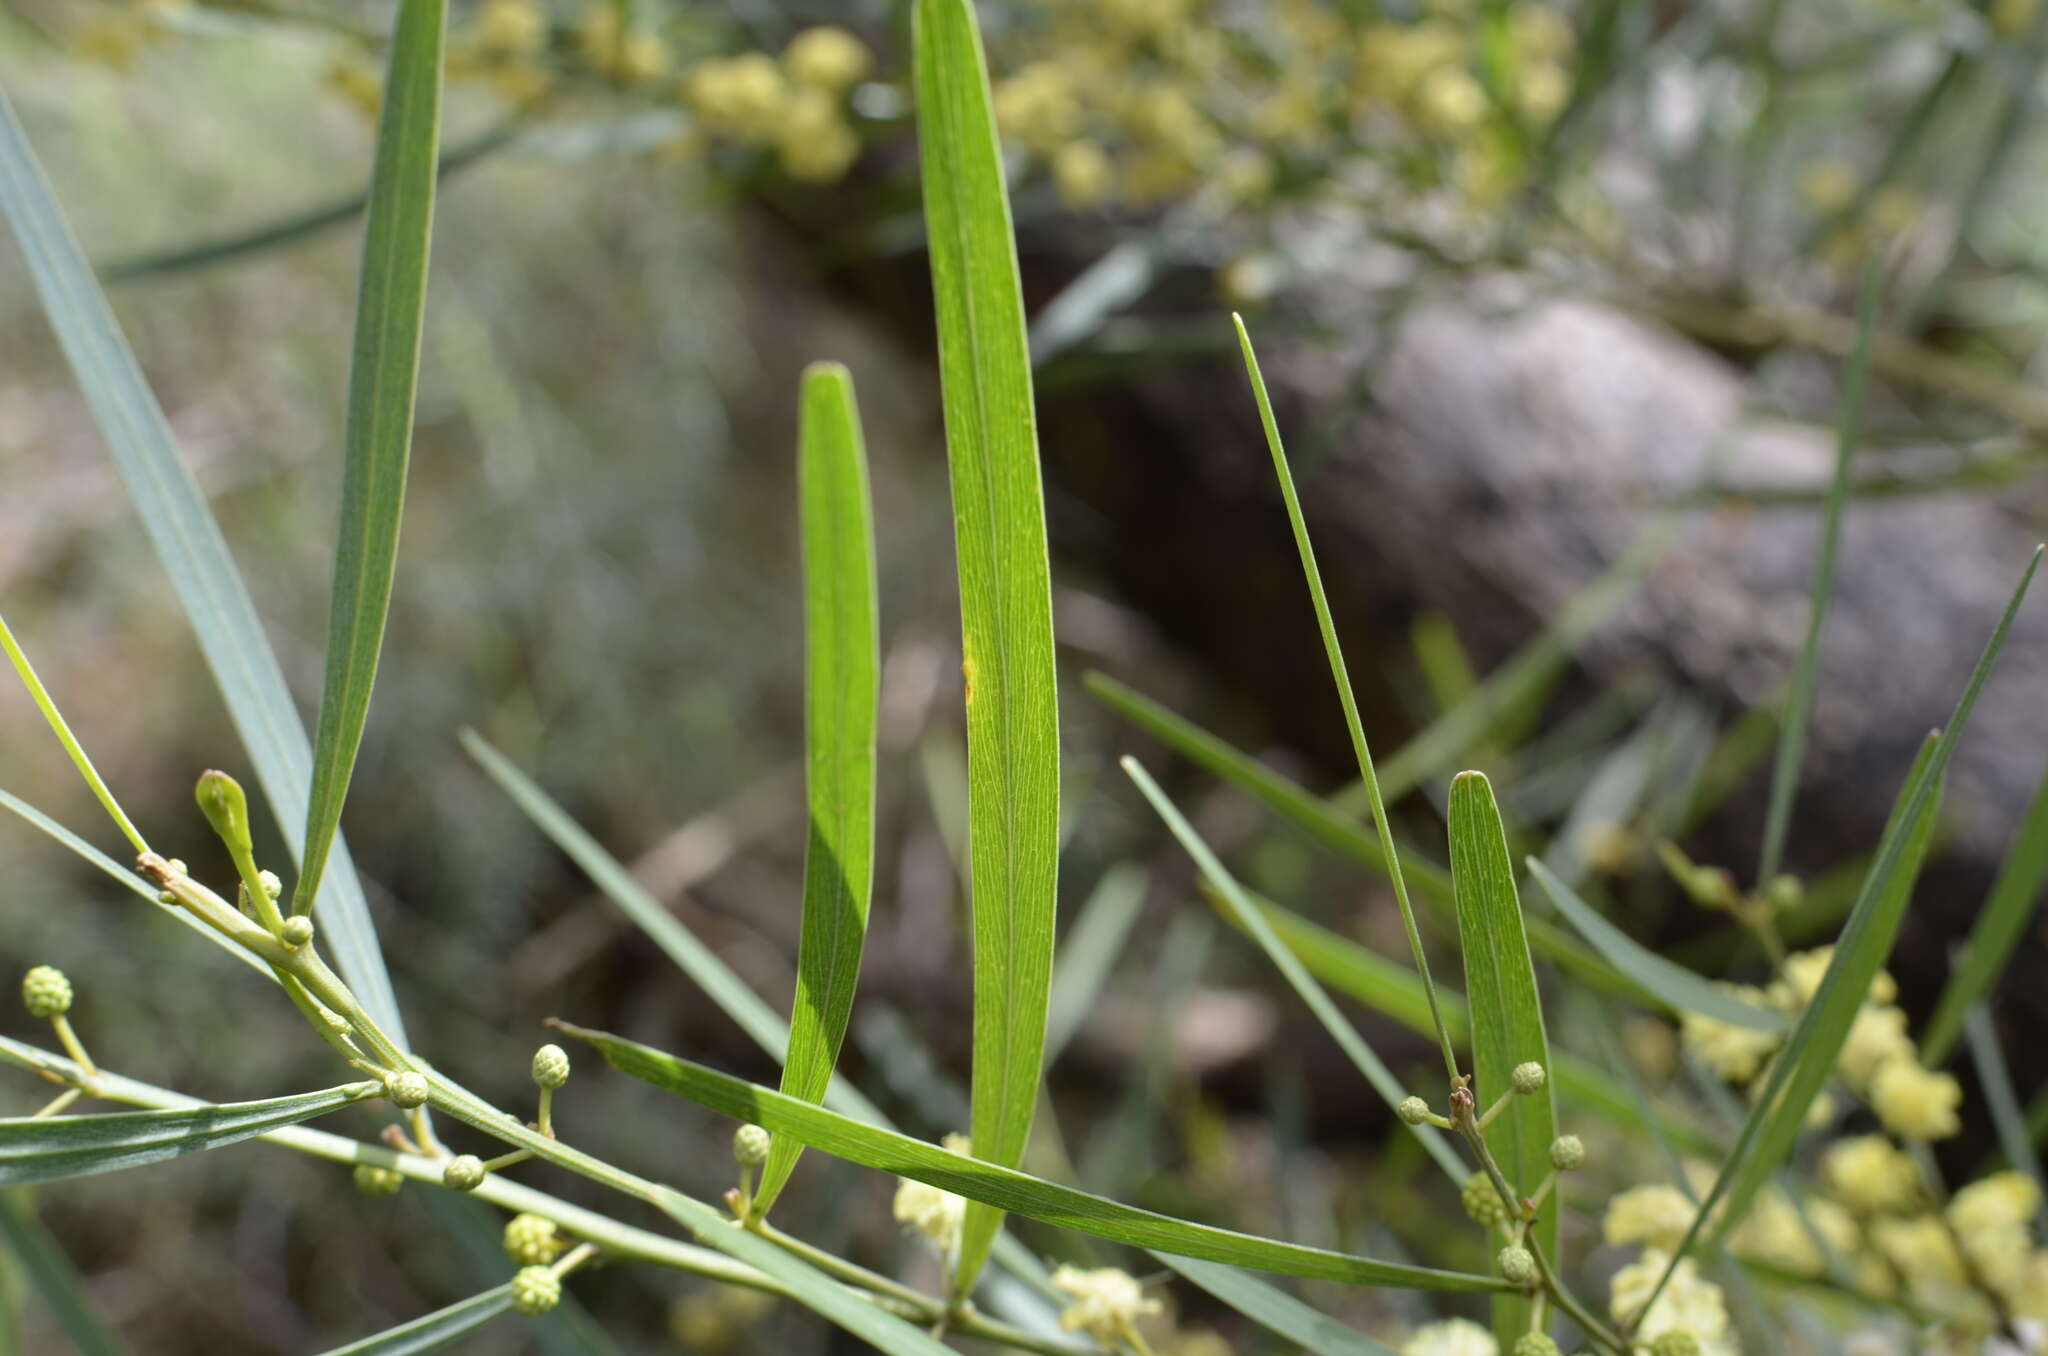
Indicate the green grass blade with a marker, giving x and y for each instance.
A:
(1334, 829)
(842, 685)
(1673, 986)
(1799, 700)
(181, 527)
(1006, 1188)
(2012, 901)
(434, 1330)
(383, 377)
(1275, 1310)
(1345, 696)
(50, 1148)
(1995, 1077)
(1797, 1074)
(62, 729)
(1507, 1013)
(1005, 587)
(1085, 958)
(46, 1266)
(1249, 919)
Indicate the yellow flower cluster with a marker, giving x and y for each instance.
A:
(1133, 102)
(1107, 1304)
(795, 106)
(1690, 1304)
(1452, 1337)
(936, 1214)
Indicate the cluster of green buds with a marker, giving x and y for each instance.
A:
(46, 993)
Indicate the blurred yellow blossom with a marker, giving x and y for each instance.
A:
(934, 1213)
(1877, 1036)
(1656, 1215)
(1915, 1102)
(1689, 1304)
(1775, 1234)
(815, 143)
(1107, 1303)
(827, 58)
(510, 28)
(1728, 1051)
(1870, 1174)
(1452, 1337)
(742, 97)
(1083, 174)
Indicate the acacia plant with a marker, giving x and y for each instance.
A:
(1504, 1124)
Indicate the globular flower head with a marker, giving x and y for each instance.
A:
(1529, 1078)
(272, 886)
(826, 58)
(407, 1090)
(532, 1241)
(1728, 1051)
(1690, 1304)
(372, 1180)
(1654, 1215)
(1535, 1344)
(934, 1213)
(750, 1145)
(1567, 1152)
(46, 992)
(464, 1172)
(535, 1290)
(1452, 1337)
(1870, 1174)
(551, 1066)
(1518, 1264)
(1482, 1202)
(1916, 1102)
(1107, 1303)
(1413, 1110)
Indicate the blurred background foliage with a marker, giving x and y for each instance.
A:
(656, 212)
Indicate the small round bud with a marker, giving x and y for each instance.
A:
(1518, 1264)
(1412, 1110)
(551, 1066)
(464, 1172)
(272, 886)
(226, 808)
(166, 897)
(407, 1090)
(46, 992)
(535, 1290)
(1535, 1344)
(372, 1180)
(750, 1146)
(297, 931)
(531, 1241)
(1482, 1202)
(1675, 1344)
(1567, 1152)
(177, 867)
(1529, 1078)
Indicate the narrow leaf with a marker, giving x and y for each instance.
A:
(59, 1283)
(842, 682)
(1799, 701)
(181, 527)
(1005, 1188)
(1342, 677)
(1994, 1076)
(62, 729)
(1005, 587)
(2014, 896)
(1275, 1310)
(383, 375)
(1250, 920)
(45, 1149)
(1674, 986)
(1507, 1014)
(434, 1330)
(1809, 1057)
